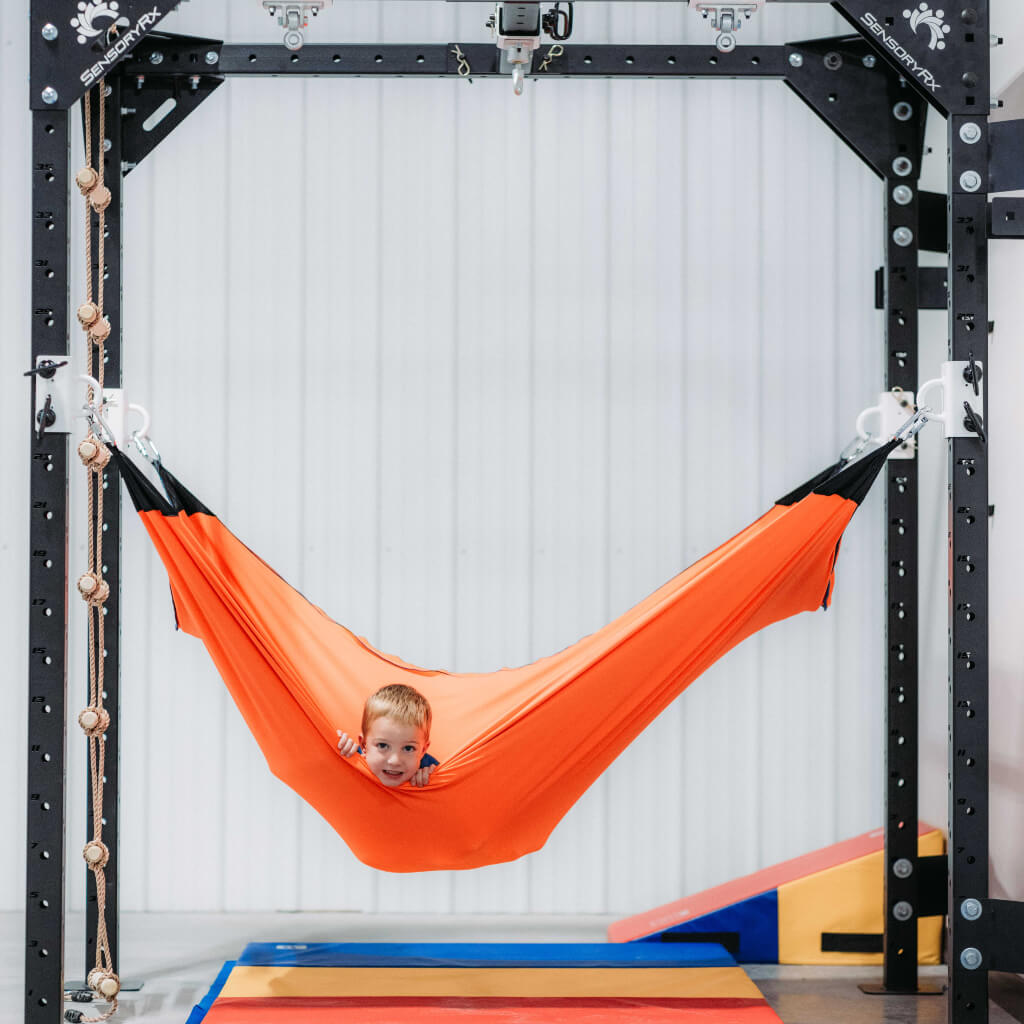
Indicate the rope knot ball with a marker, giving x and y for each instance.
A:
(96, 856)
(86, 180)
(94, 453)
(88, 314)
(94, 589)
(93, 720)
(99, 330)
(99, 198)
(104, 982)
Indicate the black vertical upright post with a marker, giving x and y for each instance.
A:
(48, 590)
(109, 650)
(968, 140)
(901, 335)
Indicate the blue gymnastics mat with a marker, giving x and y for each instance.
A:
(485, 954)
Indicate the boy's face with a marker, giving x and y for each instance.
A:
(393, 750)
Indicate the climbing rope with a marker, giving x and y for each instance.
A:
(95, 719)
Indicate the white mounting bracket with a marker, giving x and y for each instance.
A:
(516, 29)
(293, 17)
(55, 390)
(894, 408)
(727, 17)
(961, 383)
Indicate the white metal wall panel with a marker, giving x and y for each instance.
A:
(477, 373)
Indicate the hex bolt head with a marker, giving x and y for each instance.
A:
(970, 181)
(970, 132)
(211, 57)
(903, 236)
(49, 32)
(156, 57)
(970, 909)
(106, 145)
(903, 165)
(903, 111)
(971, 958)
(903, 911)
(869, 60)
(903, 194)
(49, 94)
(796, 60)
(903, 868)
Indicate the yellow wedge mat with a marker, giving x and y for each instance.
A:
(848, 898)
(521, 982)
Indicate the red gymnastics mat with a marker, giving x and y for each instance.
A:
(491, 1011)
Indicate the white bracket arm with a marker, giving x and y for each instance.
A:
(516, 28)
(962, 398)
(892, 412)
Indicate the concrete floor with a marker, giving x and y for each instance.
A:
(177, 956)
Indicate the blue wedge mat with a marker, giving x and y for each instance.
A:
(485, 954)
(201, 1008)
(755, 920)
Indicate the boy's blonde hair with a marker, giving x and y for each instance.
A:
(400, 702)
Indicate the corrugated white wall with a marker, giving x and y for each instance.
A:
(476, 373)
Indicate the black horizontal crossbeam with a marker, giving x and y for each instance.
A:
(160, 56)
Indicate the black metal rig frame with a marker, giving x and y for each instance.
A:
(871, 88)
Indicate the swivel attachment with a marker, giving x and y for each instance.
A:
(727, 16)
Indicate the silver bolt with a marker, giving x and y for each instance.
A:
(211, 57)
(970, 181)
(971, 958)
(50, 32)
(902, 165)
(995, 104)
(903, 911)
(869, 60)
(903, 111)
(796, 60)
(970, 132)
(971, 910)
(106, 145)
(156, 57)
(903, 236)
(49, 94)
(903, 868)
(903, 194)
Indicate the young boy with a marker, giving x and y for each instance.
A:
(395, 736)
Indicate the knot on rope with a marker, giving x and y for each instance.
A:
(104, 983)
(86, 180)
(96, 856)
(99, 330)
(88, 314)
(94, 453)
(94, 589)
(99, 198)
(94, 720)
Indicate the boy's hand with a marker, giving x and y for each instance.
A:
(422, 775)
(346, 745)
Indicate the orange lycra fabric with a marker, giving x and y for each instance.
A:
(517, 747)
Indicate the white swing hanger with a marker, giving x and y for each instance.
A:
(293, 17)
(727, 17)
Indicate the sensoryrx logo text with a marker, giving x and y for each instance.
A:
(96, 19)
(900, 52)
(924, 15)
(123, 44)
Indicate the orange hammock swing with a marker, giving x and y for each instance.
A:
(517, 747)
